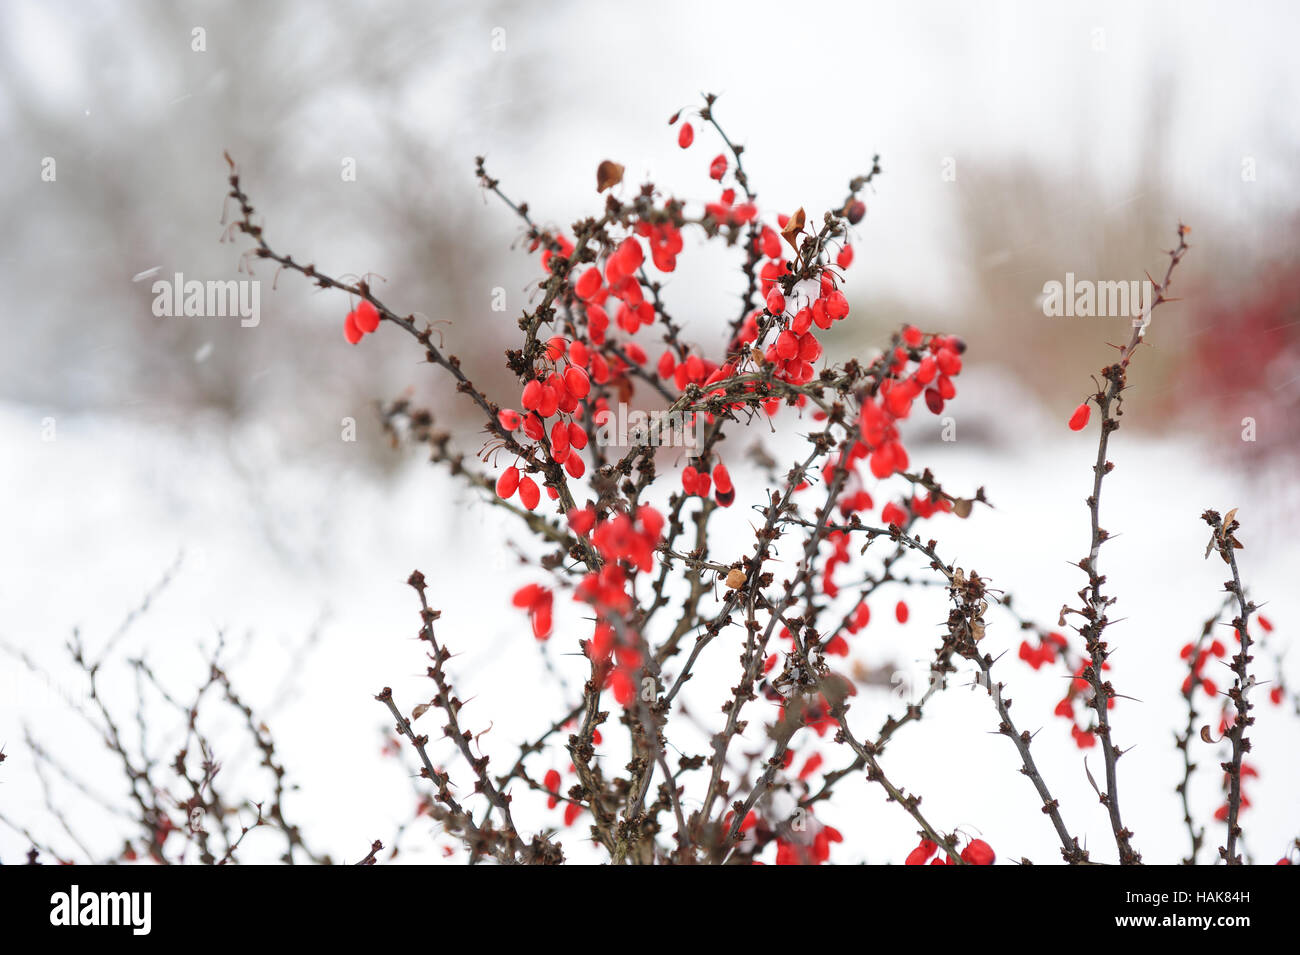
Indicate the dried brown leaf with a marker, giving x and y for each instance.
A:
(793, 227)
(608, 174)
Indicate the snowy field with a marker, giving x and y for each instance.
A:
(301, 570)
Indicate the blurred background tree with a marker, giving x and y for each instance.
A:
(1052, 142)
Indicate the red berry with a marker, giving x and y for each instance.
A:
(588, 284)
(921, 853)
(882, 462)
(597, 322)
(949, 362)
(819, 316)
(631, 255)
(549, 402)
(811, 766)
(620, 682)
(576, 380)
(541, 620)
(508, 482)
(775, 301)
(528, 595)
(837, 306)
(1079, 420)
(350, 330)
(721, 478)
(529, 493)
(532, 395)
(900, 612)
(899, 401)
(560, 441)
(787, 346)
(510, 420)
(577, 437)
(582, 520)
(845, 258)
(686, 136)
(367, 317)
(893, 514)
(614, 272)
(533, 427)
(718, 168)
(978, 852)
(667, 365)
(578, 354)
(652, 522)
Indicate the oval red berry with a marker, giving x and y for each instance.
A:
(350, 330)
(529, 493)
(367, 317)
(508, 482)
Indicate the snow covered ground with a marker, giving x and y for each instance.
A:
(302, 567)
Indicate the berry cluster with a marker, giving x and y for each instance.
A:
(632, 557)
(361, 321)
(977, 852)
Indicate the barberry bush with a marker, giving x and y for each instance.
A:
(631, 572)
(716, 717)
